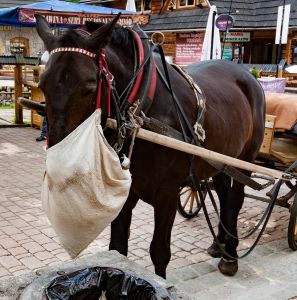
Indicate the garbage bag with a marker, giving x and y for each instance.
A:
(103, 283)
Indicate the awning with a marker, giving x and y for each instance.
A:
(62, 14)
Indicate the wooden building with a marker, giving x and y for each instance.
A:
(250, 40)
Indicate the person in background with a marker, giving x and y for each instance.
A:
(42, 137)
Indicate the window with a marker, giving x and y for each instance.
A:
(294, 52)
(19, 45)
(184, 3)
(143, 5)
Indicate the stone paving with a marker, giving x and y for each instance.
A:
(267, 274)
(27, 241)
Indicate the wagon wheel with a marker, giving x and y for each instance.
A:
(189, 203)
(292, 229)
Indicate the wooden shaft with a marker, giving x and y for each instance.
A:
(205, 153)
(202, 152)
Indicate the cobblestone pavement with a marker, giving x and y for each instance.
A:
(27, 241)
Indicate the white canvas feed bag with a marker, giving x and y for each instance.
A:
(84, 185)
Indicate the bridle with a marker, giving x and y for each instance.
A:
(103, 69)
(133, 87)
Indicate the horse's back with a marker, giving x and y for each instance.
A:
(220, 74)
(235, 103)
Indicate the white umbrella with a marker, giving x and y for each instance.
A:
(131, 5)
(206, 48)
(292, 69)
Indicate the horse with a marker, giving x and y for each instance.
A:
(234, 126)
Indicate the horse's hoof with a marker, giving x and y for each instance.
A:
(228, 267)
(215, 250)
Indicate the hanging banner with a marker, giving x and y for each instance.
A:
(188, 47)
(282, 25)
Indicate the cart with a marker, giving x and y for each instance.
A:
(278, 151)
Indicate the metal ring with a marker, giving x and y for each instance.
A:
(156, 36)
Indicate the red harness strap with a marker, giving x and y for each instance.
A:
(136, 86)
(103, 70)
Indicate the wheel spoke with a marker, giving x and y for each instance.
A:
(197, 199)
(187, 200)
(192, 202)
(186, 190)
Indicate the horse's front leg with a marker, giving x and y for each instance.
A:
(120, 227)
(164, 214)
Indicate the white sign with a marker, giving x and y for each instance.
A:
(282, 25)
(236, 36)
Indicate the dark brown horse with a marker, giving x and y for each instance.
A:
(234, 125)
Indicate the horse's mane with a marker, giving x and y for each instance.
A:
(120, 37)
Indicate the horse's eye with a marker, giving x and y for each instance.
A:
(89, 90)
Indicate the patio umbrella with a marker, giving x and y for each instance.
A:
(131, 5)
(291, 69)
(211, 40)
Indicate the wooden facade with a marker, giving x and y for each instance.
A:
(257, 18)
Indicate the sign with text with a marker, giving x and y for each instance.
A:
(59, 18)
(227, 54)
(240, 37)
(224, 22)
(188, 47)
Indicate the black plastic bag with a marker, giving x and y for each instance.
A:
(91, 283)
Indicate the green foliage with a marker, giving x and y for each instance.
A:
(7, 106)
(255, 72)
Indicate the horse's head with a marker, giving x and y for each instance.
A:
(69, 82)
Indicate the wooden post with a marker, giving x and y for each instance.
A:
(288, 50)
(165, 6)
(279, 73)
(18, 92)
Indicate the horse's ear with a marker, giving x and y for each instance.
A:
(102, 36)
(92, 26)
(44, 31)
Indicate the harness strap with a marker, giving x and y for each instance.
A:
(200, 98)
(104, 71)
(125, 105)
(136, 86)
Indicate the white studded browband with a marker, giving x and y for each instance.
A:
(73, 49)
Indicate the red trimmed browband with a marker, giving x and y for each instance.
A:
(73, 49)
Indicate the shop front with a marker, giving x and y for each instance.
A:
(235, 46)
